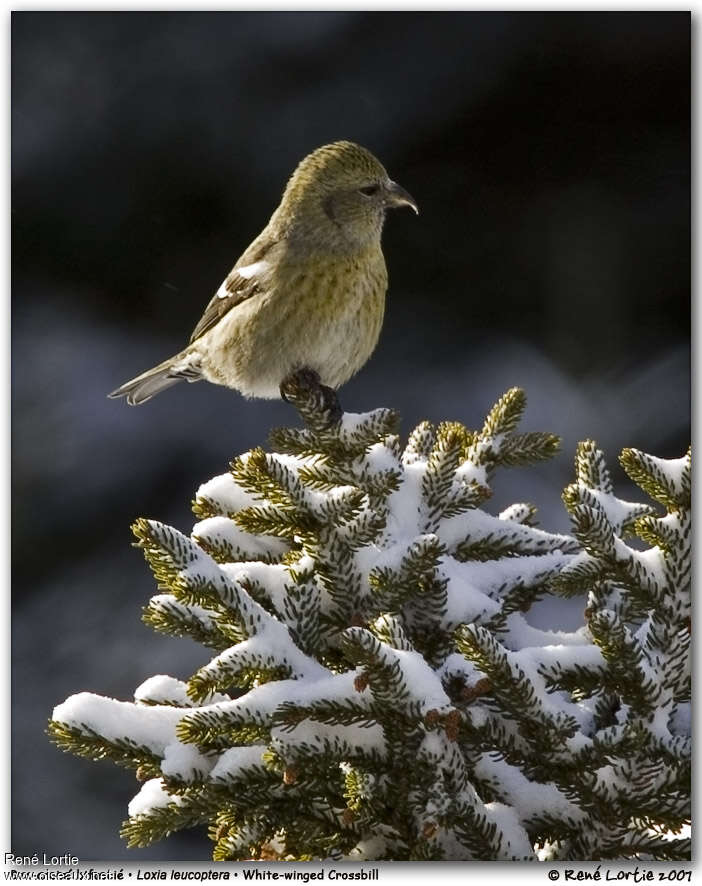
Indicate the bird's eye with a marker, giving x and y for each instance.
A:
(370, 190)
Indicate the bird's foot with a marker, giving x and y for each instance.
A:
(298, 382)
(318, 404)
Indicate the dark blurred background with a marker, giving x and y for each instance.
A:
(550, 156)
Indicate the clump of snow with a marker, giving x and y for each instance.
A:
(515, 513)
(351, 422)
(553, 658)
(432, 746)
(168, 603)
(475, 587)
(674, 469)
(227, 493)
(556, 704)
(404, 504)
(469, 472)
(234, 761)
(458, 665)
(478, 715)
(421, 680)
(273, 577)
(681, 721)
(515, 840)
(530, 799)
(184, 762)
(224, 531)
(163, 688)
(380, 458)
(520, 634)
(617, 511)
(343, 739)
(478, 525)
(153, 795)
(468, 591)
(608, 782)
(369, 849)
(149, 726)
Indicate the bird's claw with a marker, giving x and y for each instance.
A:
(318, 404)
(301, 380)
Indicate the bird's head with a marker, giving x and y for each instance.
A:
(340, 193)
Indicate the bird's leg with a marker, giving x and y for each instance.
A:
(317, 403)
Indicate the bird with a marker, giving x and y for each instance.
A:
(305, 301)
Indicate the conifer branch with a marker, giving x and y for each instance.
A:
(377, 690)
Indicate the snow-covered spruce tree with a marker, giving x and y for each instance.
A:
(377, 692)
(636, 771)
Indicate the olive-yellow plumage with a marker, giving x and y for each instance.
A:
(309, 292)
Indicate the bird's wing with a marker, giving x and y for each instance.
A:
(244, 281)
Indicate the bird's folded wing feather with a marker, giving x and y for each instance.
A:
(244, 281)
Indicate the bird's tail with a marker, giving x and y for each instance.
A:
(182, 367)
